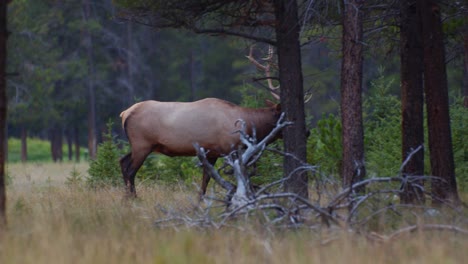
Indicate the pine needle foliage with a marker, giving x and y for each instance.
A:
(104, 170)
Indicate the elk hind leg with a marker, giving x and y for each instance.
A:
(129, 165)
(206, 177)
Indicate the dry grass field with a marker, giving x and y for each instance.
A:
(51, 222)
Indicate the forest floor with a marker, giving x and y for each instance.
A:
(52, 221)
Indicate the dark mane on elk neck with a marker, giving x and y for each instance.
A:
(171, 128)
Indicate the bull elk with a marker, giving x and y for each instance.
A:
(171, 128)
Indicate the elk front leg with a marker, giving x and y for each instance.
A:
(206, 178)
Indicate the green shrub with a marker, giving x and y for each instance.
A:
(159, 168)
(105, 169)
(382, 130)
(324, 145)
(75, 180)
(269, 167)
(459, 126)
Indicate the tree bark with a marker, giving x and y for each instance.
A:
(69, 135)
(192, 76)
(52, 144)
(131, 90)
(444, 189)
(412, 97)
(56, 142)
(292, 94)
(465, 67)
(3, 109)
(353, 168)
(59, 144)
(92, 140)
(76, 136)
(24, 144)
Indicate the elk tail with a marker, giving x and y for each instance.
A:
(126, 114)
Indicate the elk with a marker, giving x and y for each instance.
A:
(171, 128)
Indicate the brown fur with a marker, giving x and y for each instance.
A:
(171, 128)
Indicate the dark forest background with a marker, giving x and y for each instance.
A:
(60, 57)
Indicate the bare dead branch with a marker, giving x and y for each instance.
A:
(201, 154)
(413, 228)
(410, 156)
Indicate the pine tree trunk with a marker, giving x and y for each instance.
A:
(292, 94)
(412, 97)
(76, 137)
(53, 141)
(69, 135)
(59, 144)
(352, 169)
(438, 119)
(3, 109)
(192, 76)
(129, 73)
(24, 144)
(465, 66)
(56, 143)
(92, 140)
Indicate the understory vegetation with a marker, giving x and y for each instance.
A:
(51, 221)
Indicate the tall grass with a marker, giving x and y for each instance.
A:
(52, 222)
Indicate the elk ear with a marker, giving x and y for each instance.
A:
(278, 108)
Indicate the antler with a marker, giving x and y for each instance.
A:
(274, 89)
(266, 68)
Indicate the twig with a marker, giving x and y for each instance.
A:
(413, 228)
(201, 154)
(410, 156)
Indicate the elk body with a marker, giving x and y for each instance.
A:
(171, 128)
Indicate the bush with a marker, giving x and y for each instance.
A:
(105, 169)
(75, 179)
(324, 145)
(459, 126)
(382, 129)
(159, 168)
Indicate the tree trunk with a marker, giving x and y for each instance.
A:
(24, 144)
(438, 119)
(77, 144)
(52, 144)
(412, 97)
(92, 141)
(465, 66)
(59, 144)
(56, 142)
(352, 169)
(69, 135)
(3, 109)
(292, 94)
(192, 76)
(131, 90)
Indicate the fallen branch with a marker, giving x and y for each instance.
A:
(410, 229)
